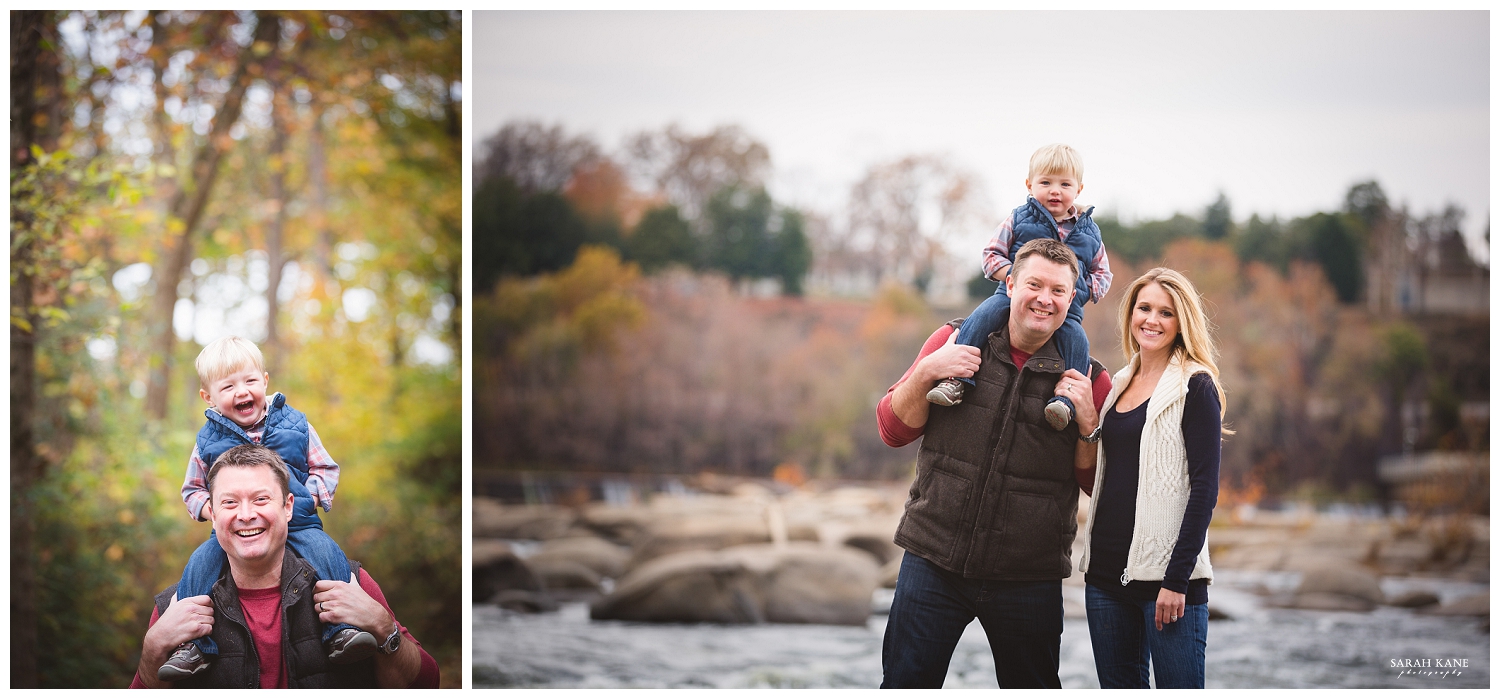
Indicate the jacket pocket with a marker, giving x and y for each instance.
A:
(935, 514)
(1030, 536)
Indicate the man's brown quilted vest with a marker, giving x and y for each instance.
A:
(307, 666)
(995, 495)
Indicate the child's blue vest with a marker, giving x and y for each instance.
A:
(286, 434)
(1032, 221)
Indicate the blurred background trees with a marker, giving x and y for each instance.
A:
(620, 329)
(290, 177)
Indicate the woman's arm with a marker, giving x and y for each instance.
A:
(1201, 438)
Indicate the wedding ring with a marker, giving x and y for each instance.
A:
(1174, 617)
(320, 609)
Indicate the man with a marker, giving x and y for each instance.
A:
(266, 614)
(991, 517)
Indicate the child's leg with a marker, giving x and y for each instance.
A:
(985, 319)
(318, 548)
(203, 570)
(1073, 345)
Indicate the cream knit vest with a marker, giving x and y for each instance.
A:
(1162, 493)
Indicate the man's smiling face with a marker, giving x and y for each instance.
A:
(250, 513)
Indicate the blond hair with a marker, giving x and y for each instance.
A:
(1194, 341)
(1056, 159)
(225, 356)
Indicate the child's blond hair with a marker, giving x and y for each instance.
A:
(225, 356)
(1056, 159)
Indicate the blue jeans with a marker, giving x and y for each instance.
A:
(1126, 640)
(1023, 621)
(306, 537)
(993, 312)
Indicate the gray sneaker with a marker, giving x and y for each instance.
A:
(184, 662)
(351, 646)
(1059, 415)
(947, 392)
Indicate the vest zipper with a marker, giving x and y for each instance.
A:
(1125, 578)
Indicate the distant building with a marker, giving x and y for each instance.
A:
(1426, 272)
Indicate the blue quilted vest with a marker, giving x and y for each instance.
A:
(1032, 221)
(286, 433)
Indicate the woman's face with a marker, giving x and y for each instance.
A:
(1153, 319)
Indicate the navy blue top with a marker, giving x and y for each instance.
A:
(1114, 515)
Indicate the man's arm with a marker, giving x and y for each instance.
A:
(184, 620)
(365, 606)
(902, 412)
(1087, 415)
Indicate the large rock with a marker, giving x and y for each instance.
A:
(700, 532)
(1415, 599)
(497, 568)
(1344, 581)
(565, 575)
(799, 583)
(603, 558)
(1323, 601)
(495, 521)
(1473, 605)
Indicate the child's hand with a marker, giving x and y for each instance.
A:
(316, 502)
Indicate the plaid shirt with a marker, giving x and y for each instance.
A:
(997, 254)
(322, 473)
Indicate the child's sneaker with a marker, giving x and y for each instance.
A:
(351, 646)
(1059, 415)
(184, 662)
(947, 392)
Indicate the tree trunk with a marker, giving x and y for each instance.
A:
(317, 175)
(186, 211)
(274, 259)
(36, 85)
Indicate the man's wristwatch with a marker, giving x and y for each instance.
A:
(1093, 437)
(393, 642)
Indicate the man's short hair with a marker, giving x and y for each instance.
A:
(1056, 159)
(1047, 249)
(225, 356)
(250, 456)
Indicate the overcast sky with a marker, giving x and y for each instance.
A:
(1282, 111)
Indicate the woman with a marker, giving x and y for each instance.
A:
(1145, 555)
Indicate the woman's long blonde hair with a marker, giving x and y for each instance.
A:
(1195, 339)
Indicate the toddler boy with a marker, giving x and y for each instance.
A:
(1054, 179)
(234, 382)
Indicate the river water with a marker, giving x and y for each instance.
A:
(1257, 647)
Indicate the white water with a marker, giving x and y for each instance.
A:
(1258, 647)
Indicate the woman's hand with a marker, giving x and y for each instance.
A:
(1169, 607)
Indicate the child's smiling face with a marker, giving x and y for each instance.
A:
(1055, 192)
(239, 396)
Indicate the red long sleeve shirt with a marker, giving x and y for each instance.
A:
(262, 610)
(896, 433)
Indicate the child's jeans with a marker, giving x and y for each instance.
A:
(306, 537)
(1072, 342)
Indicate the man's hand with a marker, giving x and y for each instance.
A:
(346, 603)
(183, 621)
(909, 400)
(1080, 390)
(952, 360)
